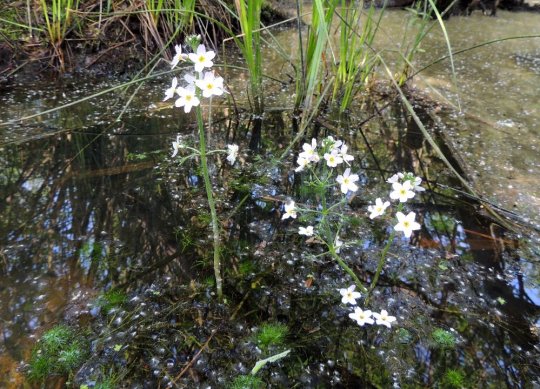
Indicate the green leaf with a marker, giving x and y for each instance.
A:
(260, 364)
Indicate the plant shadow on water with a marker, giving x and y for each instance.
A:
(85, 213)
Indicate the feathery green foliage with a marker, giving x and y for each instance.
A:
(59, 351)
(443, 339)
(271, 334)
(246, 382)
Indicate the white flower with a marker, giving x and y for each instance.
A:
(349, 295)
(178, 56)
(402, 192)
(202, 58)
(395, 178)
(210, 85)
(333, 159)
(302, 163)
(337, 244)
(378, 209)
(383, 318)
(361, 317)
(343, 153)
(190, 79)
(417, 181)
(310, 151)
(169, 93)
(177, 145)
(290, 211)
(334, 144)
(347, 181)
(307, 231)
(407, 224)
(232, 153)
(187, 98)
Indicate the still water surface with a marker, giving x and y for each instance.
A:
(90, 202)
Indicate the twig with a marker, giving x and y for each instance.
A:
(195, 357)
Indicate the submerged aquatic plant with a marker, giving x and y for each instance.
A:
(443, 339)
(454, 379)
(246, 382)
(271, 334)
(59, 351)
(201, 84)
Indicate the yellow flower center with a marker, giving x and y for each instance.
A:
(188, 97)
(209, 86)
(201, 58)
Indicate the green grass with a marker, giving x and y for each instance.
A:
(57, 14)
(249, 15)
(356, 58)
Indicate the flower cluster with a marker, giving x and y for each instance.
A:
(333, 153)
(404, 187)
(202, 83)
(349, 296)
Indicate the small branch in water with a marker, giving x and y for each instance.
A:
(195, 357)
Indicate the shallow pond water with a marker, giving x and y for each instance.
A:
(91, 204)
(496, 87)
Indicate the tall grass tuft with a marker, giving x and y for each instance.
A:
(57, 15)
(317, 42)
(356, 57)
(249, 14)
(166, 18)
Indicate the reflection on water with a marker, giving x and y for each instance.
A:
(498, 85)
(498, 132)
(88, 206)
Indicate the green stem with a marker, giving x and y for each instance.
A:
(382, 260)
(347, 269)
(211, 203)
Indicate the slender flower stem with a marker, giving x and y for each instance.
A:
(347, 269)
(211, 204)
(331, 243)
(382, 260)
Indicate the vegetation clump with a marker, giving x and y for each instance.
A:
(111, 299)
(271, 334)
(443, 339)
(246, 382)
(454, 379)
(59, 351)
